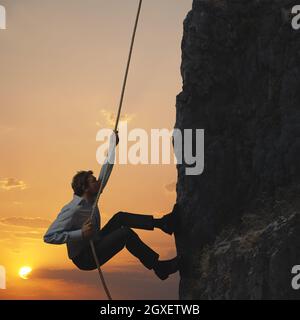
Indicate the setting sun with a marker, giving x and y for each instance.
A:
(60, 110)
(24, 272)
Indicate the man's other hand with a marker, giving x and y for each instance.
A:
(87, 229)
(117, 137)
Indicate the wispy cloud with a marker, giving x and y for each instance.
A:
(17, 203)
(108, 118)
(4, 129)
(12, 183)
(30, 235)
(171, 187)
(26, 222)
(125, 282)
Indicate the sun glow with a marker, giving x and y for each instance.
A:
(24, 272)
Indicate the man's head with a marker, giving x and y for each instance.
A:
(84, 183)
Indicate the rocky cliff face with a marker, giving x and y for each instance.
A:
(240, 219)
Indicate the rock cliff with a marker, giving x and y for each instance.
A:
(240, 219)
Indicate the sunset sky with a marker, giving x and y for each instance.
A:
(62, 64)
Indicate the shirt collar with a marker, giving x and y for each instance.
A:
(77, 199)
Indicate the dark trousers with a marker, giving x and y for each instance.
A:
(116, 235)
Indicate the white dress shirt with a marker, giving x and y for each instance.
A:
(66, 228)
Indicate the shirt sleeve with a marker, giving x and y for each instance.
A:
(109, 162)
(56, 235)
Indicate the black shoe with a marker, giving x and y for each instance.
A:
(169, 222)
(166, 267)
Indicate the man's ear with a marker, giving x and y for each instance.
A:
(84, 190)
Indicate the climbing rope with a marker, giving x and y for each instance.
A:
(115, 130)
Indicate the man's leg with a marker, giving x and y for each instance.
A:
(110, 244)
(130, 220)
(142, 221)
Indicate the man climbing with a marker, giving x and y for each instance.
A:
(75, 227)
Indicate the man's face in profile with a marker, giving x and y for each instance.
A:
(93, 185)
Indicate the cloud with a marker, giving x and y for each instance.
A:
(109, 118)
(26, 222)
(12, 183)
(17, 203)
(4, 129)
(4, 235)
(31, 235)
(125, 282)
(171, 187)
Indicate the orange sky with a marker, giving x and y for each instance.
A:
(61, 65)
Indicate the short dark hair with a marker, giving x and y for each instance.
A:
(80, 182)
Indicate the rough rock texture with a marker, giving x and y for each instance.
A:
(239, 220)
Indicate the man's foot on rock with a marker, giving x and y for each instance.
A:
(169, 222)
(163, 268)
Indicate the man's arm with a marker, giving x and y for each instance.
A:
(109, 161)
(59, 237)
(57, 233)
(54, 235)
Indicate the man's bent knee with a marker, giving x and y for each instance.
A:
(119, 216)
(128, 232)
